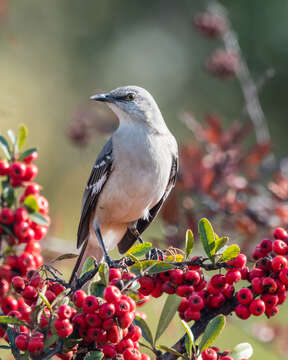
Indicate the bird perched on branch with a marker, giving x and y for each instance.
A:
(132, 176)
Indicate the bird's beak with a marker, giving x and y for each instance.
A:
(102, 97)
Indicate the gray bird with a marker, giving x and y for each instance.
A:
(132, 176)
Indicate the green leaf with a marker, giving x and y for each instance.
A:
(212, 331)
(45, 300)
(230, 253)
(220, 243)
(169, 309)
(8, 195)
(22, 135)
(5, 147)
(5, 347)
(89, 264)
(140, 249)
(39, 219)
(189, 339)
(96, 288)
(49, 342)
(146, 332)
(64, 257)
(104, 273)
(207, 237)
(11, 337)
(170, 350)
(151, 267)
(13, 139)
(242, 351)
(26, 153)
(94, 355)
(4, 319)
(189, 243)
(31, 203)
(7, 229)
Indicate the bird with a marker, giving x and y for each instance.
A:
(132, 176)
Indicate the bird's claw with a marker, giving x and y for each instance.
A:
(155, 254)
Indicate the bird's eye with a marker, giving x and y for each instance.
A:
(130, 97)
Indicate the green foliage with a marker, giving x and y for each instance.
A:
(212, 331)
(38, 218)
(94, 355)
(189, 243)
(139, 249)
(151, 267)
(146, 332)
(169, 310)
(26, 153)
(64, 257)
(207, 238)
(5, 147)
(220, 243)
(170, 350)
(230, 253)
(104, 273)
(22, 136)
(96, 288)
(88, 265)
(31, 203)
(10, 320)
(189, 339)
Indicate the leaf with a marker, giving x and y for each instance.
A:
(64, 257)
(52, 339)
(170, 350)
(189, 243)
(140, 249)
(11, 337)
(169, 309)
(207, 237)
(5, 319)
(231, 252)
(242, 351)
(7, 229)
(174, 258)
(39, 219)
(5, 347)
(211, 332)
(104, 273)
(151, 267)
(45, 300)
(8, 195)
(5, 147)
(22, 135)
(89, 264)
(189, 339)
(96, 288)
(13, 139)
(26, 153)
(220, 243)
(146, 332)
(31, 203)
(94, 355)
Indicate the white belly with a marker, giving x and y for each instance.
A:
(138, 180)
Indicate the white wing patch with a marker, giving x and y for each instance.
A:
(96, 188)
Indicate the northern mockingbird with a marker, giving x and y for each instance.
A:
(132, 176)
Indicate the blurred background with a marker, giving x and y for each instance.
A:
(56, 54)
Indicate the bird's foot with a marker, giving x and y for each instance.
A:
(113, 263)
(155, 254)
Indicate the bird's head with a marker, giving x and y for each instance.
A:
(131, 103)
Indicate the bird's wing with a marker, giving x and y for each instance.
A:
(129, 238)
(98, 177)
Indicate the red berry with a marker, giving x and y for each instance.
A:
(65, 331)
(272, 311)
(177, 276)
(168, 287)
(233, 276)
(107, 310)
(30, 292)
(114, 274)
(209, 354)
(92, 320)
(185, 290)
(35, 345)
(17, 170)
(4, 287)
(269, 285)
(257, 307)
(90, 304)
(6, 216)
(146, 285)
(242, 312)
(21, 341)
(121, 307)
(239, 262)
(279, 262)
(79, 320)
(108, 323)
(126, 320)
(280, 247)
(97, 334)
(131, 302)
(18, 284)
(244, 296)
(124, 344)
(190, 315)
(266, 245)
(192, 277)
(9, 303)
(112, 294)
(108, 351)
(64, 311)
(134, 333)
(196, 302)
(283, 276)
(270, 300)
(4, 167)
(280, 233)
(113, 334)
(32, 189)
(31, 172)
(217, 300)
(132, 354)
(183, 304)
